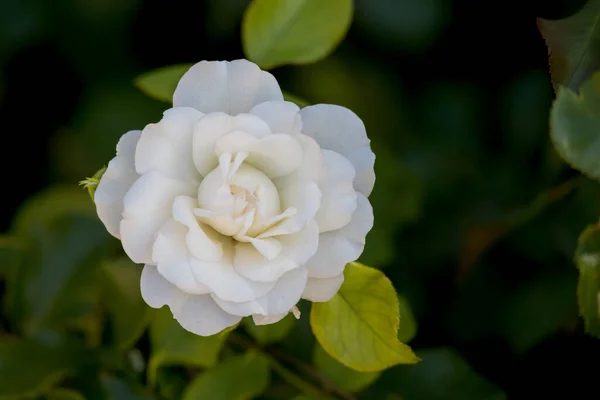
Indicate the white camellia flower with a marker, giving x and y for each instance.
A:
(238, 202)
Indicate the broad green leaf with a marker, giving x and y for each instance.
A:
(344, 377)
(442, 375)
(587, 258)
(359, 325)
(574, 45)
(237, 378)
(55, 285)
(267, 334)
(31, 367)
(277, 32)
(408, 324)
(173, 345)
(160, 83)
(575, 126)
(127, 311)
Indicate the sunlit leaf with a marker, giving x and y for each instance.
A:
(587, 258)
(160, 83)
(128, 313)
(575, 126)
(31, 367)
(267, 334)
(277, 32)
(173, 345)
(237, 378)
(344, 377)
(365, 307)
(442, 375)
(574, 45)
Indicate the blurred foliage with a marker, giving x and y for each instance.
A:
(477, 216)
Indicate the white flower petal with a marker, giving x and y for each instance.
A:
(172, 259)
(321, 290)
(211, 127)
(305, 197)
(196, 313)
(339, 247)
(311, 167)
(267, 319)
(339, 197)
(147, 206)
(166, 146)
(232, 87)
(339, 129)
(202, 241)
(282, 116)
(202, 316)
(116, 181)
(297, 248)
(275, 155)
(281, 299)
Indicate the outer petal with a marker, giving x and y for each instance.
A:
(232, 87)
(339, 129)
(297, 248)
(339, 198)
(337, 248)
(196, 313)
(278, 301)
(267, 319)
(321, 290)
(210, 128)
(147, 206)
(116, 181)
(282, 116)
(166, 146)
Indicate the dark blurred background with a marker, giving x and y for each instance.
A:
(474, 222)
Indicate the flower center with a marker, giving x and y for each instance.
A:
(238, 200)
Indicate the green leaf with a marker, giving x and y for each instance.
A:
(267, 334)
(311, 397)
(118, 389)
(160, 83)
(91, 183)
(173, 345)
(408, 324)
(238, 378)
(344, 377)
(574, 45)
(575, 126)
(442, 375)
(64, 394)
(55, 285)
(359, 325)
(587, 258)
(128, 313)
(31, 367)
(277, 32)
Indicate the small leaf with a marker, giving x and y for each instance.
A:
(575, 126)
(173, 345)
(442, 375)
(574, 45)
(408, 324)
(587, 258)
(277, 32)
(90, 184)
(241, 377)
(272, 333)
(344, 377)
(359, 325)
(128, 313)
(160, 83)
